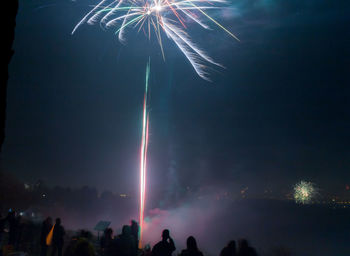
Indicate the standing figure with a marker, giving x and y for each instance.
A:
(45, 230)
(2, 227)
(244, 249)
(229, 249)
(147, 250)
(135, 232)
(57, 238)
(164, 247)
(125, 243)
(192, 249)
(12, 221)
(106, 241)
(19, 232)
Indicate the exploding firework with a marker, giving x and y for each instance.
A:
(160, 17)
(304, 192)
(169, 16)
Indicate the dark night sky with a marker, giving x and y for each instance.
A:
(277, 114)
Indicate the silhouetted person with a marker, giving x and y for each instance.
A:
(147, 250)
(229, 249)
(164, 247)
(12, 221)
(57, 238)
(69, 251)
(244, 249)
(45, 230)
(84, 248)
(125, 243)
(192, 249)
(80, 245)
(135, 232)
(85, 234)
(106, 241)
(2, 227)
(18, 232)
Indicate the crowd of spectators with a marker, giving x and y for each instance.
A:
(53, 237)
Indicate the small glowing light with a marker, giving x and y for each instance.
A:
(157, 8)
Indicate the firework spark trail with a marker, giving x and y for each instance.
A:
(143, 152)
(170, 16)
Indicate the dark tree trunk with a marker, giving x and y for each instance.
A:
(8, 34)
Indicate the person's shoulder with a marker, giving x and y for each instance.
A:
(223, 251)
(157, 245)
(252, 251)
(161, 242)
(131, 239)
(115, 241)
(184, 252)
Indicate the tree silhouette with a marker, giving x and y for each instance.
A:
(9, 24)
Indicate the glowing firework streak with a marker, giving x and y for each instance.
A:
(304, 192)
(143, 152)
(169, 16)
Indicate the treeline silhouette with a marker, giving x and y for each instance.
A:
(80, 207)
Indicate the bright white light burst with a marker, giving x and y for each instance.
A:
(161, 16)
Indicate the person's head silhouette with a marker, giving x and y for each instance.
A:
(165, 234)
(192, 244)
(232, 245)
(126, 230)
(243, 244)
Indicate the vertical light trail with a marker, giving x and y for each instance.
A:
(143, 156)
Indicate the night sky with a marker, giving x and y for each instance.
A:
(278, 113)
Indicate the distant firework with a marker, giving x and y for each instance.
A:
(304, 192)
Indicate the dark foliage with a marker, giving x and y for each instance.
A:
(8, 35)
